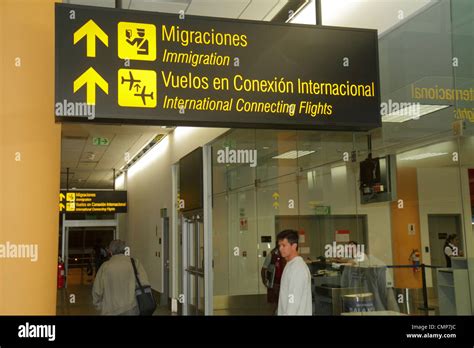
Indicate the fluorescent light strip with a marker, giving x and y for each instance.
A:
(410, 113)
(423, 156)
(293, 154)
(140, 152)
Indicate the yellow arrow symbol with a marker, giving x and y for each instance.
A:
(276, 205)
(61, 196)
(275, 195)
(91, 78)
(92, 31)
(61, 206)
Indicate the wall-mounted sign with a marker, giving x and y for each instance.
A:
(93, 202)
(244, 224)
(342, 236)
(99, 141)
(140, 67)
(442, 235)
(411, 229)
(322, 210)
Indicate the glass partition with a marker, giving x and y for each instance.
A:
(315, 183)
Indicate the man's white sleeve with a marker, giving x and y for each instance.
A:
(295, 291)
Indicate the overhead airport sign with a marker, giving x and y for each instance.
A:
(122, 66)
(97, 202)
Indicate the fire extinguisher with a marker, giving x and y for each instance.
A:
(61, 274)
(415, 260)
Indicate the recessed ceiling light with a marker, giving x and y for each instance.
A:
(293, 154)
(412, 112)
(423, 156)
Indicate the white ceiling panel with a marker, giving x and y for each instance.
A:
(100, 3)
(81, 175)
(72, 144)
(259, 9)
(77, 148)
(86, 165)
(222, 8)
(168, 6)
(372, 14)
(272, 12)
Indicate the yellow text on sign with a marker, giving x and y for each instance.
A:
(136, 41)
(137, 88)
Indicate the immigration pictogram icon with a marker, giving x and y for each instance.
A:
(136, 41)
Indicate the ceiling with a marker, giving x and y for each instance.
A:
(382, 15)
(91, 166)
(242, 9)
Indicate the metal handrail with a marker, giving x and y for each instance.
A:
(194, 271)
(423, 281)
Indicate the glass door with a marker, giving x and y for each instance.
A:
(193, 263)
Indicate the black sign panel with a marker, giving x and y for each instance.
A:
(191, 181)
(93, 202)
(169, 69)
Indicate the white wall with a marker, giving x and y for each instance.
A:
(149, 188)
(439, 192)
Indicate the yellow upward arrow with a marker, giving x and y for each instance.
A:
(61, 196)
(61, 207)
(91, 78)
(92, 31)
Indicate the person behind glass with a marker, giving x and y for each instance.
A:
(113, 291)
(451, 248)
(295, 288)
(99, 254)
(271, 273)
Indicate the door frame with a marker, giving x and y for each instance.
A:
(81, 223)
(192, 252)
(208, 251)
(206, 216)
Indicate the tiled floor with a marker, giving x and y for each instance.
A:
(76, 299)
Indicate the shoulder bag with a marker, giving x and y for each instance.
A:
(146, 300)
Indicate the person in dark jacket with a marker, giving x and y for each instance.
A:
(271, 273)
(451, 248)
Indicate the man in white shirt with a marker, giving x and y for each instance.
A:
(295, 288)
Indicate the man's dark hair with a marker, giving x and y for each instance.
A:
(290, 235)
(451, 237)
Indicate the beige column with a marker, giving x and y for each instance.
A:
(29, 156)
